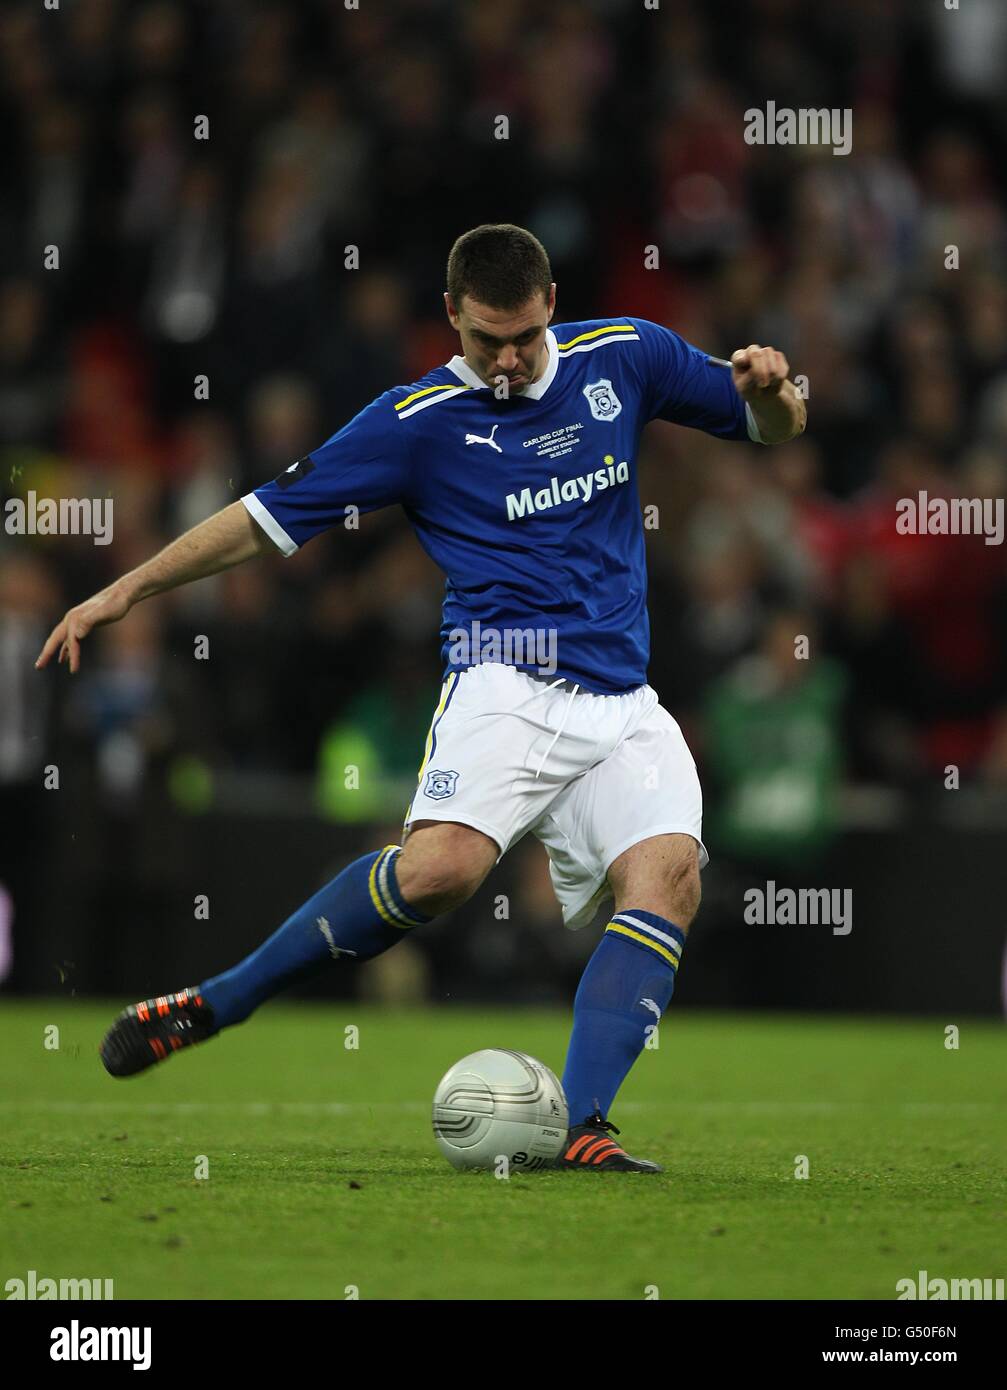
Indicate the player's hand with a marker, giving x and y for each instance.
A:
(758, 372)
(108, 606)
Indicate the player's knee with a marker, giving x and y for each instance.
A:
(660, 876)
(440, 869)
(684, 891)
(440, 885)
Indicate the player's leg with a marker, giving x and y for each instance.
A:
(659, 875)
(629, 828)
(629, 980)
(626, 987)
(363, 911)
(476, 794)
(442, 864)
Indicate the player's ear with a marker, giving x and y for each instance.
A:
(452, 312)
(552, 301)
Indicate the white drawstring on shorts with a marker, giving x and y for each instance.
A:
(562, 723)
(542, 690)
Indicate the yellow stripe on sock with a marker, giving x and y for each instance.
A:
(644, 941)
(379, 904)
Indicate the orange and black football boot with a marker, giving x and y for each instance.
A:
(590, 1149)
(152, 1031)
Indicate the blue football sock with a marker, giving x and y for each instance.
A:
(626, 987)
(358, 915)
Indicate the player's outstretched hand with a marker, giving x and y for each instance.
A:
(758, 371)
(108, 606)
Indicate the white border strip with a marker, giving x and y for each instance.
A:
(753, 429)
(600, 342)
(629, 921)
(433, 399)
(269, 524)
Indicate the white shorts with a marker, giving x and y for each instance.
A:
(589, 775)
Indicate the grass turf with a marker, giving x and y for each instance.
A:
(323, 1174)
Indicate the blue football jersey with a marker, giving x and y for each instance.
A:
(528, 504)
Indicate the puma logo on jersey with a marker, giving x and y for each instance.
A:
(478, 439)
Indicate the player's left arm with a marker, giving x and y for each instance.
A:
(760, 378)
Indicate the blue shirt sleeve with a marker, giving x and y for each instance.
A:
(365, 465)
(682, 385)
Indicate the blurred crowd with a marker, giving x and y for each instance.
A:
(330, 128)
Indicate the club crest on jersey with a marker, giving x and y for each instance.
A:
(440, 784)
(604, 403)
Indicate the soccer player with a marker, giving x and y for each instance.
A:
(516, 464)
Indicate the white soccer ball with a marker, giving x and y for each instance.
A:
(497, 1104)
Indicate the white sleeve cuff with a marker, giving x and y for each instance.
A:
(753, 428)
(269, 524)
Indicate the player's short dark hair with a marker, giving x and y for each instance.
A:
(499, 265)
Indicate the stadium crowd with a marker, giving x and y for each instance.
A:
(330, 128)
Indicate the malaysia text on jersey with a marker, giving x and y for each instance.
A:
(529, 503)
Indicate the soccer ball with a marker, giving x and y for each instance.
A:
(500, 1104)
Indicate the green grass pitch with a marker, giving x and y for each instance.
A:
(324, 1177)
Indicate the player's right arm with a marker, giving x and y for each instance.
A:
(225, 539)
(364, 465)
(752, 400)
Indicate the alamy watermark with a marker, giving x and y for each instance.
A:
(783, 125)
(64, 516)
(924, 515)
(76, 1343)
(528, 647)
(925, 1287)
(34, 1287)
(772, 906)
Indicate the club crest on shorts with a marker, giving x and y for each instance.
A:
(440, 784)
(604, 403)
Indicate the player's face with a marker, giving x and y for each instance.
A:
(504, 343)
